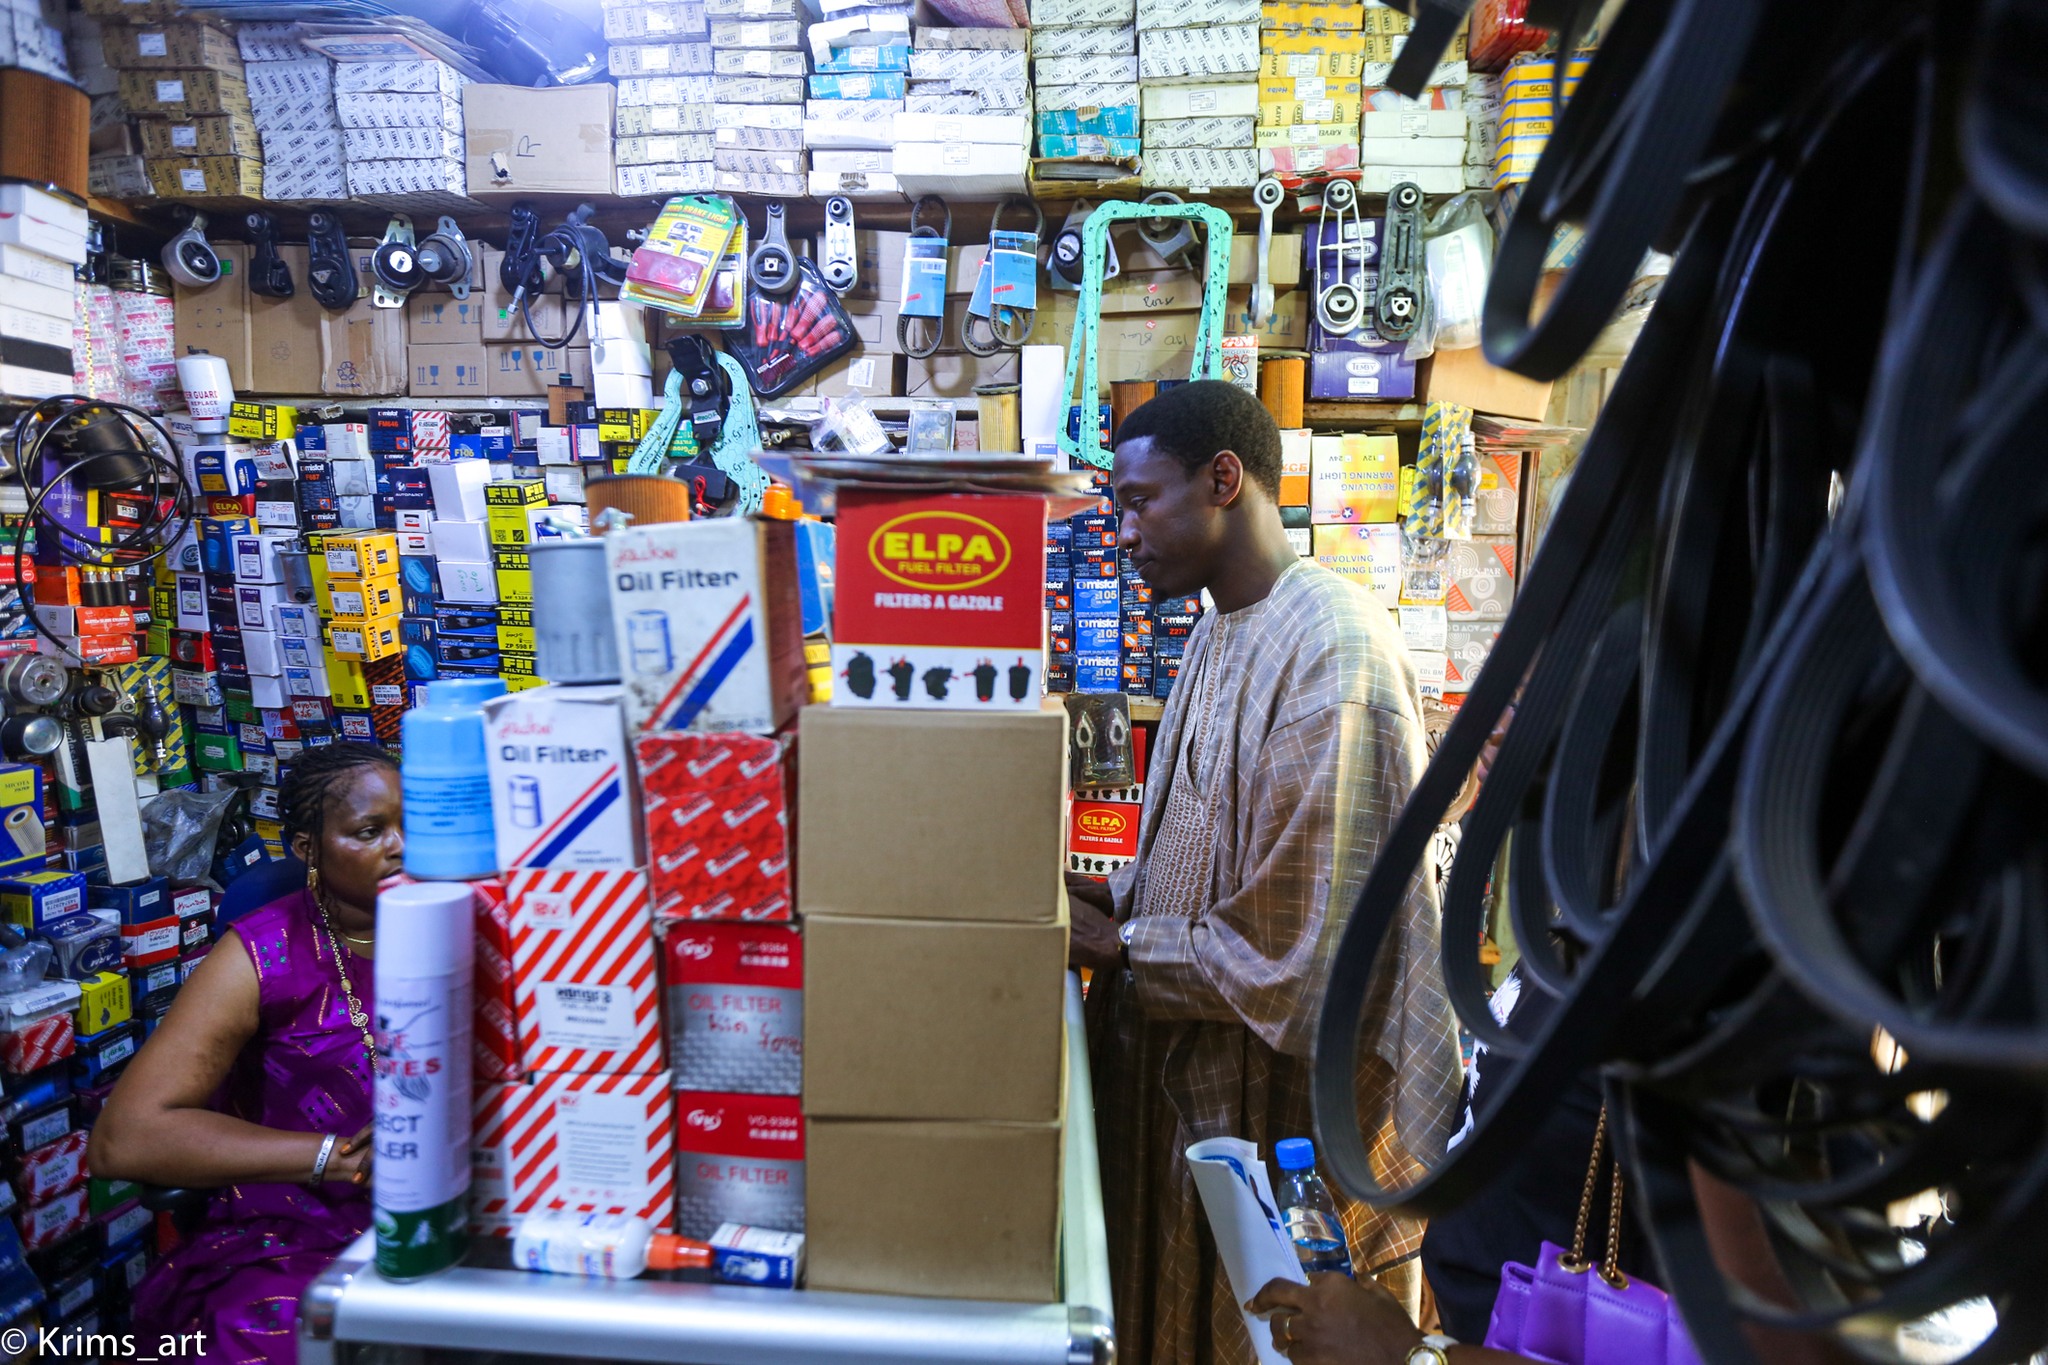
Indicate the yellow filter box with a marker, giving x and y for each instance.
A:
(368, 641)
(1354, 479)
(361, 554)
(355, 600)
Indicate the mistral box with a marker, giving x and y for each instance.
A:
(940, 602)
(736, 1008)
(717, 811)
(739, 1159)
(594, 1143)
(709, 629)
(561, 786)
(584, 972)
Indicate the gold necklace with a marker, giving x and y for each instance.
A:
(356, 1013)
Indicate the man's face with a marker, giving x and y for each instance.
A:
(1172, 520)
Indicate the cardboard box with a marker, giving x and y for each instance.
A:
(717, 819)
(527, 370)
(938, 603)
(865, 1237)
(881, 796)
(438, 318)
(736, 1007)
(561, 790)
(460, 371)
(583, 971)
(362, 349)
(216, 318)
(739, 1159)
(982, 1037)
(288, 358)
(708, 624)
(523, 141)
(1102, 836)
(1354, 478)
(1465, 377)
(957, 375)
(1482, 583)
(598, 1144)
(1370, 555)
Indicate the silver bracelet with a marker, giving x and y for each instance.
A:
(320, 1161)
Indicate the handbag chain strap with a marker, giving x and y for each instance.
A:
(1610, 1265)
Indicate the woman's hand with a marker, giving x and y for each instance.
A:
(1336, 1320)
(351, 1159)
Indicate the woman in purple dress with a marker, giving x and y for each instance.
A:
(257, 1084)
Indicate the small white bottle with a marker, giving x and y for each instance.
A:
(612, 1246)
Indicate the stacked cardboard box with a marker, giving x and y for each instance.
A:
(1198, 63)
(955, 1089)
(758, 84)
(32, 38)
(662, 55)
(402, 130)
(1312, 57)
(1086, 120)
(291, 90)
(969, 71)
(183, 82)
(42, 238)
(859, 66)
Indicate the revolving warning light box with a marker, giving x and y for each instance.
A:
(940, 602)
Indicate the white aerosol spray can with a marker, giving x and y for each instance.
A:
(420, 1175)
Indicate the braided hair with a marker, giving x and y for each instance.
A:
(314, 777)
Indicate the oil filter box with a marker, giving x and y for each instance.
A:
(597, 1144)
(717, 812)
(739, 1159)
(736, 1007)
(940, 602)
(584, 972)
(708, 624)
(561, 783)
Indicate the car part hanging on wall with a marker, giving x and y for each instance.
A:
(1772, 732)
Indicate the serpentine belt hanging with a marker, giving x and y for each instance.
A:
(1082, 358)
(924, 279)
(1618, 163)
(1822, 822)
(1009, 267)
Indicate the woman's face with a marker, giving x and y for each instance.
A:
(362, 840)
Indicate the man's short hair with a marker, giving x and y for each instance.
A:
(1196, 422)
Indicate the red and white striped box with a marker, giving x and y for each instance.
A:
(597, 1144)
(583, 967)
(494, 1034)
(716, 808)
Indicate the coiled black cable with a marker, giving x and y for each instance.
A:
(170, 513)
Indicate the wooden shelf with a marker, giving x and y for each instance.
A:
(1344, 414)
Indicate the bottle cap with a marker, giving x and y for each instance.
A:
(666, 1251)
(777, 504)
(1295, 1154)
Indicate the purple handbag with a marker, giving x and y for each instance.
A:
(1567, 1310)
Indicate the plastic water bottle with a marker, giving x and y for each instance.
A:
(1308, 1210)
(612, 1246)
